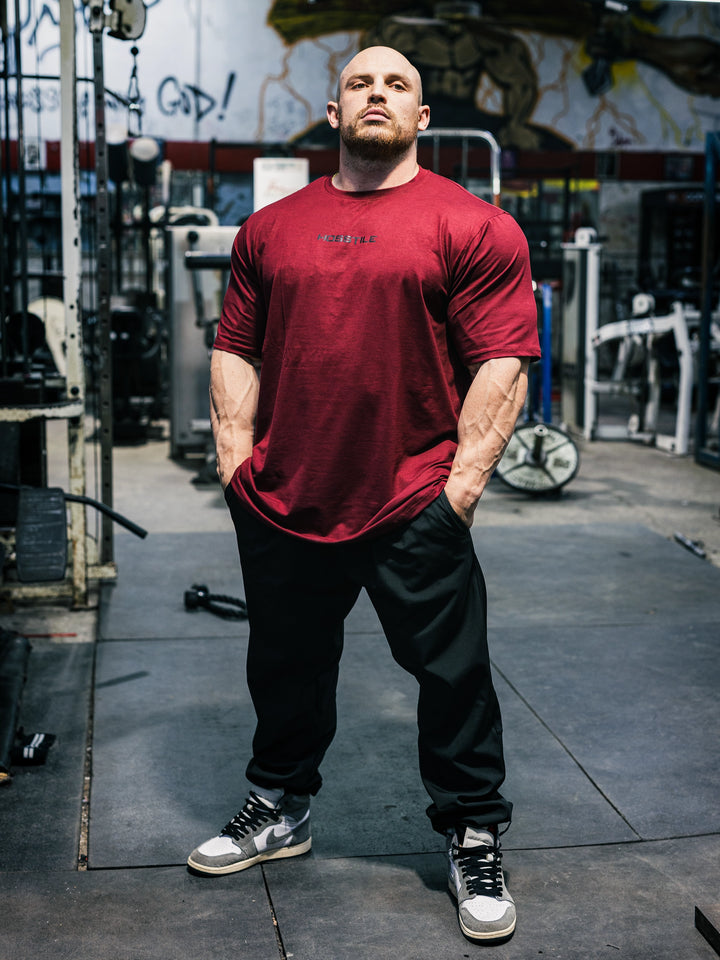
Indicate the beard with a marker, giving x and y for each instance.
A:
(381, 141)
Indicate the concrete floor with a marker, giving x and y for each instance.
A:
(605, 637)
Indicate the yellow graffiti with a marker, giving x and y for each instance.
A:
(335, 62)
(695, 132)
(561, 85)
(282, 80)
(667, 123)
(684, 17)
(625, 123)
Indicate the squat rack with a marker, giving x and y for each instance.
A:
(71, 407)
(126, 22)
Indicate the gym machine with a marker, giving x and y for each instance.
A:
(540, 458)
(198, 261)
(644, 332)
(45, 551)
(198, 264)
(640, 346)
(580, 318)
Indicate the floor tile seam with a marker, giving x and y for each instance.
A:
(46, 641)
(83, 837)
(45, 871)
(168, 639)
(317, 858)
(640, 842)
(566, 749)
(661, 531)
(535, 623)
(399, 855)
(646, 620)
(273, 916)
(609, 527)
(124, 868)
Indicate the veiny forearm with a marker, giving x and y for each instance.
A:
(234, 390)
(487, 420)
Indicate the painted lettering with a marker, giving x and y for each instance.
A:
(174, 97)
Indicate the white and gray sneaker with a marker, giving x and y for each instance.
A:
(486, 910)
(262, 830)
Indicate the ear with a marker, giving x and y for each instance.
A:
(423, 117)
(332, 114)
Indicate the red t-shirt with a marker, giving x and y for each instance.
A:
(366, 309)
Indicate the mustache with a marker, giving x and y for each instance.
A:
(361, 113)
(375, 108)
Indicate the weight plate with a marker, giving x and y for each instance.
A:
(540, 458)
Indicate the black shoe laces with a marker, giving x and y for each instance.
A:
(481, 868)
(253, 815)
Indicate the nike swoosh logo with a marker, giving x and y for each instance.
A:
(277, 836)
(277, 839)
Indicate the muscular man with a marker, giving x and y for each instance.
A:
(393, 319)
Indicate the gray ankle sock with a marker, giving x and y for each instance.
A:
(274, 796)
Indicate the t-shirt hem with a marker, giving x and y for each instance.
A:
(403, 514)
(521, 354)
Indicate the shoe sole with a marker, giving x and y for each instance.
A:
(279, 854)
(476, 935)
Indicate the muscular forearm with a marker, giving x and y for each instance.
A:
(233, 406)
(487, 419)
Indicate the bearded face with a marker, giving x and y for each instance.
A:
(376, 140)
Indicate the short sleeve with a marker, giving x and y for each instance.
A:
(242, 321)
(492, 310)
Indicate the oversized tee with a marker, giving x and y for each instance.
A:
(365, 310)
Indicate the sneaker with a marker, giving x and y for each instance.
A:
(486, 910)
(260, 831)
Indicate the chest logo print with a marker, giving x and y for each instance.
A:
(345, 238)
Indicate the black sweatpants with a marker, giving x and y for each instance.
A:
(427, 587)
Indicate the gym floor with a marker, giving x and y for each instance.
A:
(604, 634)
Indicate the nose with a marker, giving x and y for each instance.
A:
(377, 92)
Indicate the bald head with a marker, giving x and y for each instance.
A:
(374, 59)
(379, 113)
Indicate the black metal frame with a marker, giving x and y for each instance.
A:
(103, 273)
(707, 449)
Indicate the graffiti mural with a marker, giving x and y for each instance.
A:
(467, 52)
(455, 55)
(572, 74)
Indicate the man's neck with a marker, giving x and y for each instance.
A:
(357, 175)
